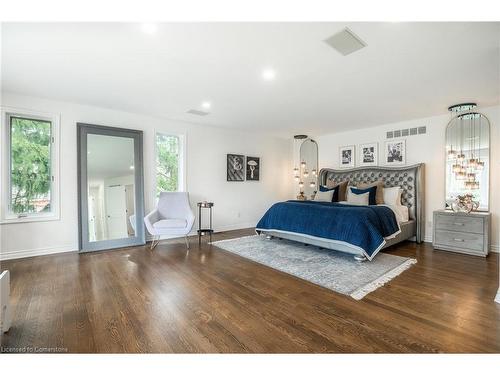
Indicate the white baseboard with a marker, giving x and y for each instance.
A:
(35, 252)
(497, 298)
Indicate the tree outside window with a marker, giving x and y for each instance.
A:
(167, 163)
(30, 169)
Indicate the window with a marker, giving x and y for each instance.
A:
(29, 167)
(169, 163)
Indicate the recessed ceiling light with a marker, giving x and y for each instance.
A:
(131, 167)
(268, 74)
(149, 28)
(206, 105)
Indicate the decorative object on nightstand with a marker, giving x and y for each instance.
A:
(462, 232)
(464, 203)
(204, 231)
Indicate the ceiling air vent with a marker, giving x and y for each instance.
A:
(345, 42)
(197, 113)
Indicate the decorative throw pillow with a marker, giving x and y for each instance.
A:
(358, 199)
(372, 192)
(324, 196)
(379, 197)
(335, 197)
(392, 196)
(342, 189)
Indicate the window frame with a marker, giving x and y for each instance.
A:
(182, 161)
(6, 216)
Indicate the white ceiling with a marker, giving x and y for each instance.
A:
(109, 157)
(407, 71)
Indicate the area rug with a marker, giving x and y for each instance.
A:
(331, 269)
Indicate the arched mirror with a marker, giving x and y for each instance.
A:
(468, 156)
(308, 167)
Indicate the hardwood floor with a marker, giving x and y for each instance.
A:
(209, 300)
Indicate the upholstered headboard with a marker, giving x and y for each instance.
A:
(409, 178)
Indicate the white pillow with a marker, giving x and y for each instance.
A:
(358, 199)
(324, 196)
(392, 196)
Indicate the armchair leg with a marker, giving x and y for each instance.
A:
(154, 243)
(187, 241)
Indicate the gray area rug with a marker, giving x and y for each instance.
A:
(331, 269)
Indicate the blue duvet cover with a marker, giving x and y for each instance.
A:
(362, 227)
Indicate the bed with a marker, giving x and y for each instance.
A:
(359, 230)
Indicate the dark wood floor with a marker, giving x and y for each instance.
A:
(208, 300)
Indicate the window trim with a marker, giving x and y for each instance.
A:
(5, 216)
(182, 162)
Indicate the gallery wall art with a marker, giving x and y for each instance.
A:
(347, 156)
(368, 154)
(235, 167)
(241, 167)
(395, 152)
(253, 168)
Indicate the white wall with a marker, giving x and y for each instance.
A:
(429, 149)
(237, 204)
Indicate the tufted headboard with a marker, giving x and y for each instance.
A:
(409, 178)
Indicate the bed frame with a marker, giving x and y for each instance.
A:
(409, 178)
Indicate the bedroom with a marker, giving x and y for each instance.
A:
(265, 187)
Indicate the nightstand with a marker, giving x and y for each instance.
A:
(467, 233)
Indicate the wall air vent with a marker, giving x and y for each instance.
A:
(406, 132)
(345, 42)
(197, 113)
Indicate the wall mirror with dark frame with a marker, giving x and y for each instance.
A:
(468, 156)
(111, 185)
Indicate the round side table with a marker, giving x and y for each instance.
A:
(203, 231)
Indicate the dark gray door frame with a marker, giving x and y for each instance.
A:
(83, 224)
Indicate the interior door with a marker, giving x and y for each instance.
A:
(116, 212)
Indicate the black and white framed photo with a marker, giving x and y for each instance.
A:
(235, 167)
(347, 156)
(253, 168)
(368, 154)
(395, 152)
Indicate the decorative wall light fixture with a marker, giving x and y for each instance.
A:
(465, 149)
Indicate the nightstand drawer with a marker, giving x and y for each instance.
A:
(460, 223)
(460, 240)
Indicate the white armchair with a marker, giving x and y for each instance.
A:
(172, 217)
